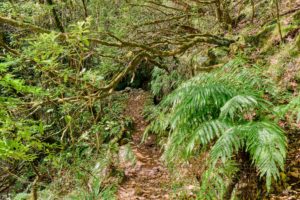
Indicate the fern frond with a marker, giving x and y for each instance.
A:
(208, 131)
(241, 104)
(237, 104)
(264, 141)
(159, 125)
(215, 180)
(163, 83)
(292, 108)
(191, 139)
(235, 79)
(228, 144)
(266, 144)
(197, 103)
(212, 106)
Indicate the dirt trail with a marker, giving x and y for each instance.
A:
(148, 178)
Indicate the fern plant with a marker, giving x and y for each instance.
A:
(214, 181)
(226, 108)
(292, 109)
(163, 83)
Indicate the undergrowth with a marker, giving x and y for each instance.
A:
(226, 111)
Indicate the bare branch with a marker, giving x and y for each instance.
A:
(131, 67)
(13, 51)
(161, 21)
(164, 6)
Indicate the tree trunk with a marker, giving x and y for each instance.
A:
(226, 13)
(85, 8)
(253, 11)
(55, 15)
(278, 20)
(219, 11)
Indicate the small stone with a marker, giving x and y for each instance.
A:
(127, 89)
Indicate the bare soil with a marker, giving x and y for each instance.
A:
(148, 178)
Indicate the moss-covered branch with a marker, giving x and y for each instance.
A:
(23, 25)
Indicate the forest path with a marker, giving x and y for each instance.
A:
(147, 178)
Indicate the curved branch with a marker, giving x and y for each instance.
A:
(131, 66)
(23, 25)
(146, 51)
(164, 6)
(161, 21)
(205, 38)
(6, 47)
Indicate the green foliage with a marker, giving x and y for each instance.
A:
(226, 108)
(264, 141)
(214, 181)
(163, 83)
(292, 109)
(107, 193)
(37, 125)
(20, 138)
(31, 9)
(54, 115)
(45, 50)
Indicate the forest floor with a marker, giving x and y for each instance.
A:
(147, 178)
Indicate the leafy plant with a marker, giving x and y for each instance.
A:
(19, 138)
(292, 108)
(228, 112)
(214, 181)
(163, 83)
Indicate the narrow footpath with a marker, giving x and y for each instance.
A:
(147, 178)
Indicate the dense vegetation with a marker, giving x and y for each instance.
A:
(224, 81)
